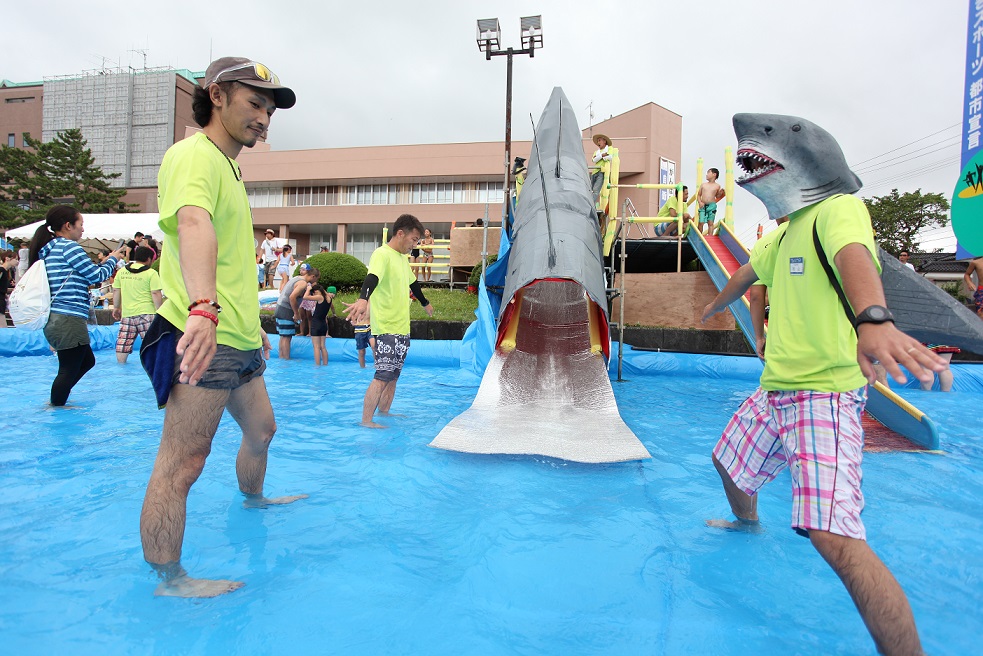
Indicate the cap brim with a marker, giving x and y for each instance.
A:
(283, 97)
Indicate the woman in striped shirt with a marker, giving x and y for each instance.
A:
(70, 272)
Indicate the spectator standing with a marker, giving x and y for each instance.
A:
(23, 255)
(269, 249)
(287, 313)
(903, 258)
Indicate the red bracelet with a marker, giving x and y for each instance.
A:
(202, 313)
(205, 301)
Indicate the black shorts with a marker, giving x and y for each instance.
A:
(415, 252)
(319, 327)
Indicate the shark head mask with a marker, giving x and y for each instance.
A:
(789, 162)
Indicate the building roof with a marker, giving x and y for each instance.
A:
(937, 263)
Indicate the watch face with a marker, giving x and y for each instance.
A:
(877, 313)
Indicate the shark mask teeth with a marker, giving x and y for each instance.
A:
(755, 165)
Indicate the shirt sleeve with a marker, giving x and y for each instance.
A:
(85, 267)
(843, 221)
(190, 181)
(155, 281)
(763, 260)
(377, 264)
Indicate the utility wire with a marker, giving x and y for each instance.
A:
(955, 125)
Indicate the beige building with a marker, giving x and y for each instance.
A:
(342, 197)
(337, 197)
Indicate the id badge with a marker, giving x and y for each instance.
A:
(796, 266)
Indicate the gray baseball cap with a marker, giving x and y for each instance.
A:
(251, 73)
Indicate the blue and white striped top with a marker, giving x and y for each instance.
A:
(64, 261)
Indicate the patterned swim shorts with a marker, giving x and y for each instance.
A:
(978, 299)
(389, 354)
(130, 328)
(819, 437)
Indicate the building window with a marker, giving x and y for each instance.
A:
(11, 101)
(12, 140)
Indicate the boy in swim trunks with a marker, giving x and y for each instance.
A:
(707, 197)
(975, 266)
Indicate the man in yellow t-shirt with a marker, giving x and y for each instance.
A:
(136, 297)
(206, 351)
(389, 282)
(670, 210)
(805, 416)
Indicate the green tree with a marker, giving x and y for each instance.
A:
(33, 179)
(72, 171)
(25, 192)
(899, 218)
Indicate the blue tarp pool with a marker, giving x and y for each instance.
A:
(402, 548)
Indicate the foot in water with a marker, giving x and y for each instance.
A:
(185, 586)
(742, 525)
(371, 424)
(259, 501)
(176, 583)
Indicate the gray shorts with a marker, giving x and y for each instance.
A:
(390, 354)
(229, 369)
(65, 331)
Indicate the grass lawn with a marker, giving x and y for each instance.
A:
(449, 305)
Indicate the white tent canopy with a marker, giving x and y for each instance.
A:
(104, 226)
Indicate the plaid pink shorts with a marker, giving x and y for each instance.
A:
(130, 328)
(819, 437)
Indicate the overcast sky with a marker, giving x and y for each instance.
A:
(877, 74)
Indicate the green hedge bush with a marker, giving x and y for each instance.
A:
(338, 270)
(475, 277)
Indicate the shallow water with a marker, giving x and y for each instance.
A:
(402, 548)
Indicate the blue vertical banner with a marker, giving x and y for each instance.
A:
(967, 198)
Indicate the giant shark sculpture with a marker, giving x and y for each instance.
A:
(546, 389)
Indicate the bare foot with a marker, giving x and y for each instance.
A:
(743, 525)
(259, 501)
(185, 586)
(372, 424)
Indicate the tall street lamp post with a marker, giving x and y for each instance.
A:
(489, 40)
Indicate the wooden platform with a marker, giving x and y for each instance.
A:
(673, 300)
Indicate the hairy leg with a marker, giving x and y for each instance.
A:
(742, 504)
(250, 406)
(881, 601)
(371, 402)
(284, 350)
(190, 421)
(387, 396)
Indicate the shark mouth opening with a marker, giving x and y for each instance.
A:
(755, 165)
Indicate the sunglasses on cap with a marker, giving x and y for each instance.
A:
(262, 73)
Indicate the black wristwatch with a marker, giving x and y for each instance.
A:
(874, 314)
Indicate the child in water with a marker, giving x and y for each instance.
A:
(319, 320)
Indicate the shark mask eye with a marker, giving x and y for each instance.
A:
(796, 127)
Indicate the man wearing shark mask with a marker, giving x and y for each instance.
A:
(806, 413)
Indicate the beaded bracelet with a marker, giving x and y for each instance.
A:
(202, 313)
(205, 301)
